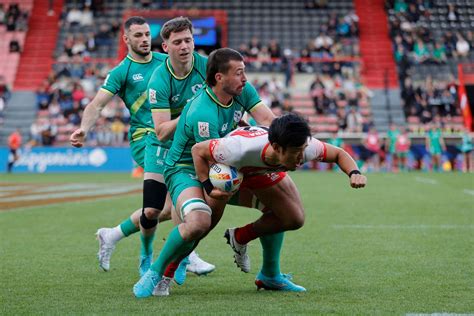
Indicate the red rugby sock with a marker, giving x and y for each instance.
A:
(245, 234)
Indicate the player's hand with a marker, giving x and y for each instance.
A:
(77, 138)
(218, 194)
(358, 181)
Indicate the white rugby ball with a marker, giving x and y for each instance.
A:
(225, 178)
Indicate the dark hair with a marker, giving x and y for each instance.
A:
(289, 130)
(219, 62)
(134, 20)
(175, 25)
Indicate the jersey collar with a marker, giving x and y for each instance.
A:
(139, 61)
(170, 69)
(214, 98)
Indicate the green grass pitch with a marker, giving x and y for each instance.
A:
(405, 244)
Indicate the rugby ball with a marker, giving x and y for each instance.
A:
(225, 178)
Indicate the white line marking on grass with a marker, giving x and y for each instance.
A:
(437, 314)
(470, 192)
(420, 226)
(426, 180)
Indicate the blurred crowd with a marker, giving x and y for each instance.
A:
(62, 98)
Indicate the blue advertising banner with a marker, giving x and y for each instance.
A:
(67, 159)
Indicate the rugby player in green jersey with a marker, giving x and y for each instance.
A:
(213, 112)
(129, 81)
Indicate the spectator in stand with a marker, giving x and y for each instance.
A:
(79, 45)
(36, 129)
(462, 46)
(48, 133)
(103, 37)
(42, 98)
(354, 121)
(3, 14)
(453, 15)
(254, 47)
(14, 46)
(402, 148)
(439, 53)
(11, 24)
(14, 143)
(408, 97)
(275, 53)
(117, 129)
(74, 17)
(317, 94)
(4, 89)
(421, 52)
(450, 41)
(87, 17)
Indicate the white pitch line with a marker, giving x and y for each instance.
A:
(470, 192)
(426, 180)
(420, 226)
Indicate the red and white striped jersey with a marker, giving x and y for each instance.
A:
(245, 147)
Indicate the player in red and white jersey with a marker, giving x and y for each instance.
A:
(264, 156)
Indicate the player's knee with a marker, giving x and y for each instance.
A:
(196, 226)
(296, 221)
(154, 194)
(165, 214)
(147, 221)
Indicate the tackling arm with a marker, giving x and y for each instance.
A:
(164, 125)
(262, 114)
(202, 158)
(89, 118)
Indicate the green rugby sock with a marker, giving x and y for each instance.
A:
(271, 245)
(128, 227)
(147, 244)
(174, 247)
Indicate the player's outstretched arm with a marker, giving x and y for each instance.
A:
(89, 117)
(347, 164)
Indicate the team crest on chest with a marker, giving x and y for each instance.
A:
(196, 87)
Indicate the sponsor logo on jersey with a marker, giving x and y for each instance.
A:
(237, 116)
(224, 127)
(249, 132)
(196, 87)
(152, 95)
(203, 128)
(175, 98)
(138, 77)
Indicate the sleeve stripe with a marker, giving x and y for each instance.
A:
(212, 145)
(161, 110)
(256, 105)
(325, 151)
(107, 91)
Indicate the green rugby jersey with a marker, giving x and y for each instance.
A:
(129, 80)
(435, 139)
(204, 117)
(170, 93)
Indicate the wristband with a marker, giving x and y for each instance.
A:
(353, 172)
(207, 185)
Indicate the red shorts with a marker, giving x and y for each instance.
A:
(262, 181)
